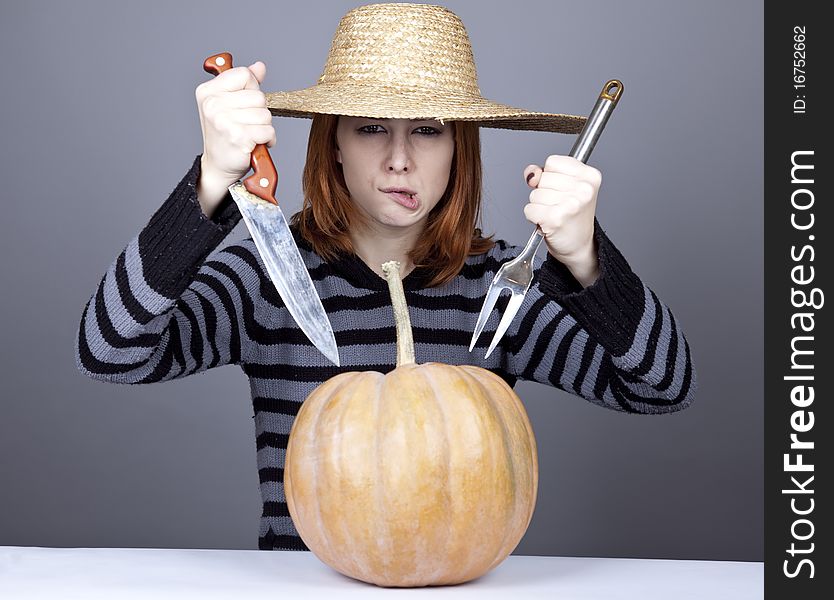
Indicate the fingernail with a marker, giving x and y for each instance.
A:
(530, 176)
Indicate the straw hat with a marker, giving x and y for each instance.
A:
(407, 61)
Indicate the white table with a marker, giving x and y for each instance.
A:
(27, 573)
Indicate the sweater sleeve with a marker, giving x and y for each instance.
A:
(614, 342)
(161, 311)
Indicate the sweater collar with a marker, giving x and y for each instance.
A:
(358, 273)
(353, 269)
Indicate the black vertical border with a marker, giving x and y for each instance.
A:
(786, 132)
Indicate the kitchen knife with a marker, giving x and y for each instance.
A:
(255, 198)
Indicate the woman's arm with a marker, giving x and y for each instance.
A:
(614, 342)
(161, 311)
(589, 325)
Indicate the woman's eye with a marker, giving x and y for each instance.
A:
(425, 130)
(367, 128)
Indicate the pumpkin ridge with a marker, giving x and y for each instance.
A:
(379, 487)
(507, 457)
(451, 513)
(519, 408)
(315, 468)
(346, 532)
(529, 438)
(377, 475)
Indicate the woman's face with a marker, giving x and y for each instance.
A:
(381, 155)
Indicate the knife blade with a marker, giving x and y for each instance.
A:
(255, 198)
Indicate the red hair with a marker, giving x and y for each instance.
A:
(451, 232)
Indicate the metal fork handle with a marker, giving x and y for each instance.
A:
(531, 247)
(587, 139)
(585, 142)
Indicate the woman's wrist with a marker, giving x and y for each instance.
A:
(583, 266)
(211, 189)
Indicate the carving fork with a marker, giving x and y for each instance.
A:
(517, 274)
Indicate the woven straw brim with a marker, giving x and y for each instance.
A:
(380, 102)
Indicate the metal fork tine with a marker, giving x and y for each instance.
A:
(509, 314)
(486, 309)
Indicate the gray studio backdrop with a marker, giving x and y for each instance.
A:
(99, 123)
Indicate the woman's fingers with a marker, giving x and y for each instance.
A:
(563, 204)
(531, 175)
(558, 163)
(561, 173)
(258, 70)
(237, 78)
(557, 181)
(551, 197)
(238, 99)
(253, 116)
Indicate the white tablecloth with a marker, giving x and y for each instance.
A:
(27, 573)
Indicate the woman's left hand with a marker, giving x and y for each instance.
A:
(563, 205)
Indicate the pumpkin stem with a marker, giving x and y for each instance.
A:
(405, 341)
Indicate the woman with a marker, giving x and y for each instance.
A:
(393, 172)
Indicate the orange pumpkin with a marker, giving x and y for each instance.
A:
(424, 476)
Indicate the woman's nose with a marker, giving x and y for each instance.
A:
(399, 154)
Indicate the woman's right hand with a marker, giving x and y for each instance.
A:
(234, 119)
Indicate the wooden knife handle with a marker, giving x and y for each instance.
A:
(263, 182)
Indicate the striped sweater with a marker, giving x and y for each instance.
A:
(172, 304)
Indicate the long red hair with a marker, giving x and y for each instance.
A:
(451, 233)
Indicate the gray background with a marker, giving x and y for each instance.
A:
(99, 123)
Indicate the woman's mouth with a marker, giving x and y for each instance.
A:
(406, 199)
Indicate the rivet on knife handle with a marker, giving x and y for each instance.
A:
(264, 181)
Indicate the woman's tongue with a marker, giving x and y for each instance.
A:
(405, 199)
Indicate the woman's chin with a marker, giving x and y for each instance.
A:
(399, 219)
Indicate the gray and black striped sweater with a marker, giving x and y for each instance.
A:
(166, 309)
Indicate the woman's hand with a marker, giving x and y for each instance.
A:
(563, 205)
(234, 119)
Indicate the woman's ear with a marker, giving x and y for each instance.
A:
(338, 155)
